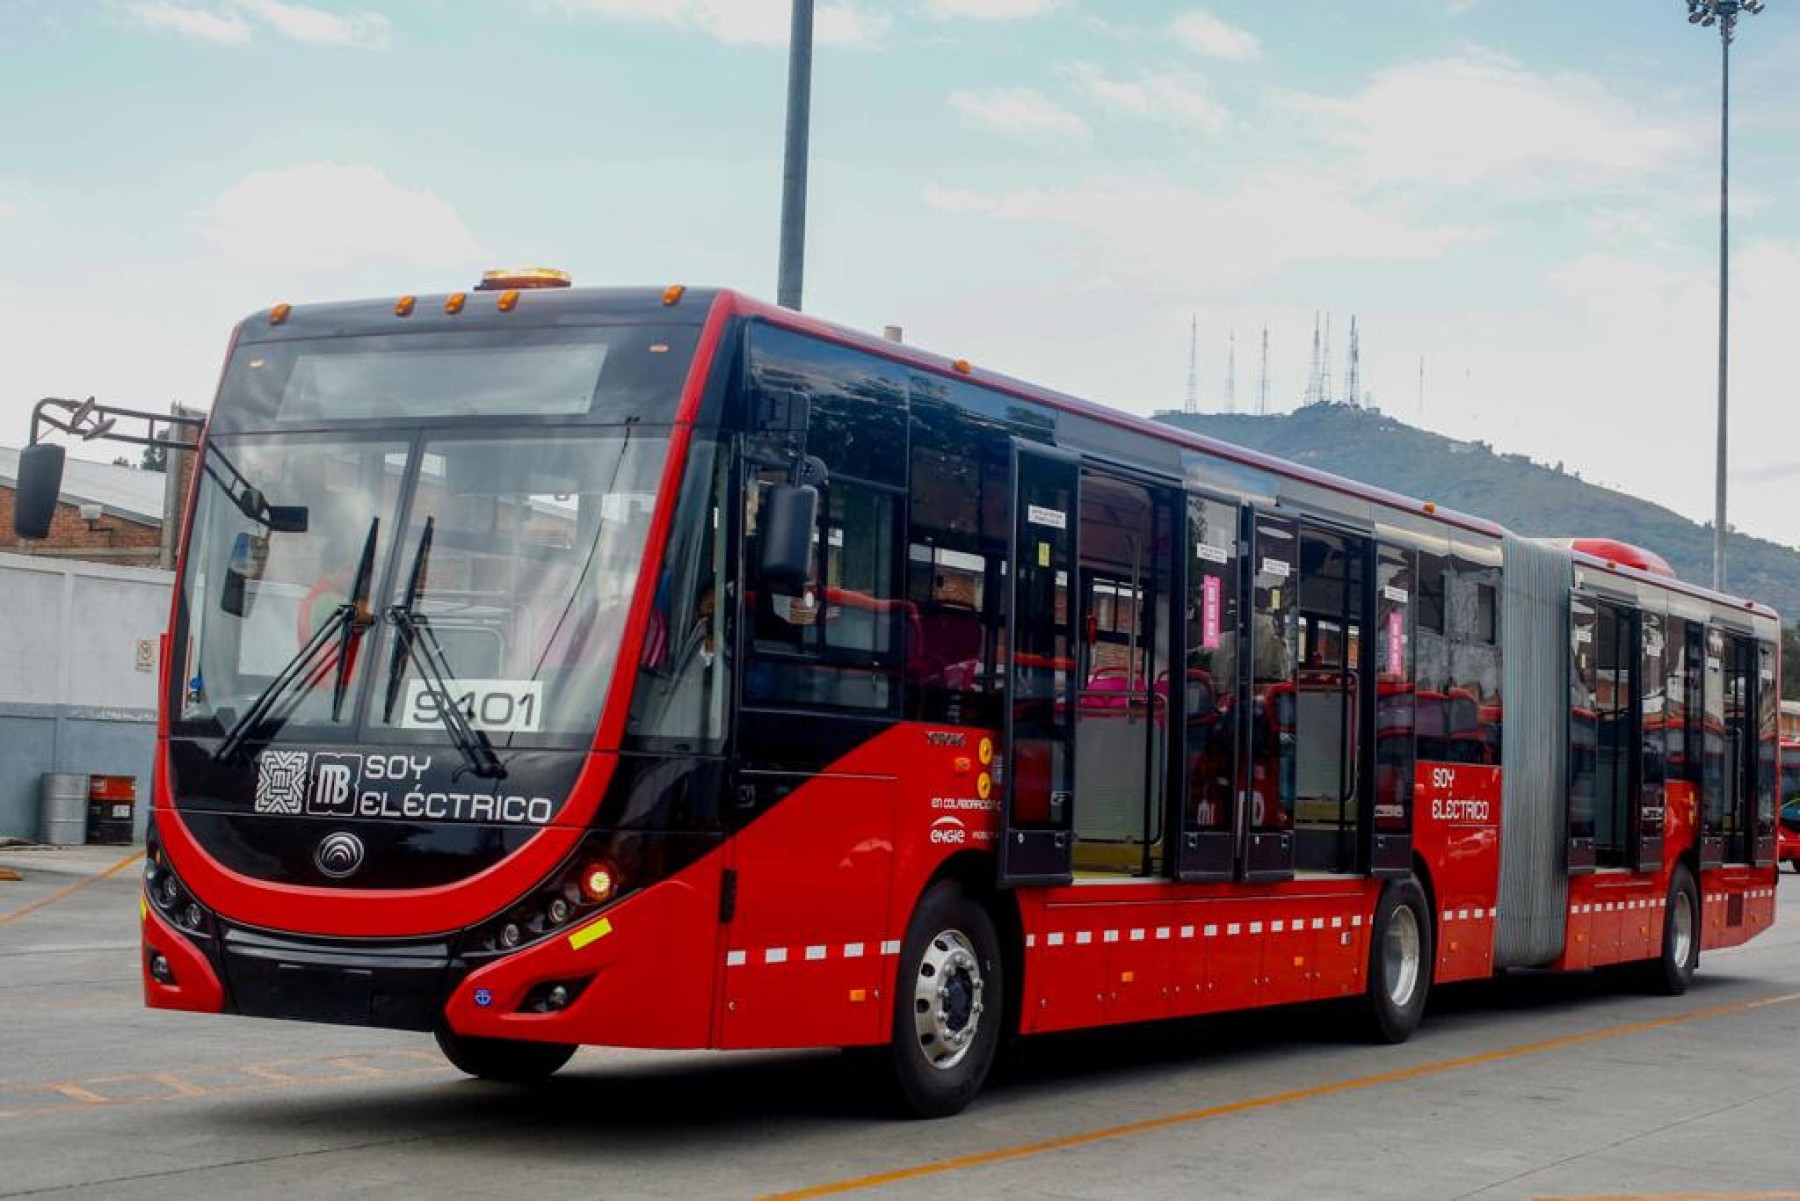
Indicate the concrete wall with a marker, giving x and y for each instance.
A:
(79, 659)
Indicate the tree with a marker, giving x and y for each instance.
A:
(156, 458)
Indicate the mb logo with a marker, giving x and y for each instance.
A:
(334, 781)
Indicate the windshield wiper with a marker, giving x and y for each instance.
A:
(347, 623)
(415, 641)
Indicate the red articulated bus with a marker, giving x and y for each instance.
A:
(555, 666)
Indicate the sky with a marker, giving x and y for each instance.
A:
(1516, 199)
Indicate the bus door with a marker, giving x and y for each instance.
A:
(1211, 699)
(1389, 833)
(1122, 700)
(1653, 707)
(1037, 808)
(1266, 779)
(1330, 687)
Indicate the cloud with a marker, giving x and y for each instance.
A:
(225, 24)
(1485, 120)
(743, 22)
(324, 215)
(1151, 232)
(221, 28)
(317, 27)
(987, 10)
(1205, 34)
(1021, 112)
(1179, 101)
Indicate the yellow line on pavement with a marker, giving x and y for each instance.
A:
(72, 889)
(1151, 1125)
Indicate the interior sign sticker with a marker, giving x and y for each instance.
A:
(1055, 519)
(496, 706)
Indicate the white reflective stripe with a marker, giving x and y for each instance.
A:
(853, 950)
(734, 958)
(1031, 940)
(1162, 932)
(1187, 932)
(1211, 931)
(775, 955)
(1277, 926)
(1083, 937)
(1318, 923)
(1356, 919)
(1231, 929)
(1056, 938)
(891, 947)
(813, 953)
(1137, 936)
(1112, 936)
(1449, 915)
(1337, 923)
(1256, 927)
(1462, 915)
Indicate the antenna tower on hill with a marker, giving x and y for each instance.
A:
(1325, 363)
(1193, 388)
(1315, 386)
(1231, 372)
(1353, 372)
(1262, 379)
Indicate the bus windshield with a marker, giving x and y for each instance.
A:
(339, 585)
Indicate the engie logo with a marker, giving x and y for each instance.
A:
(949, 831)
(334, 781)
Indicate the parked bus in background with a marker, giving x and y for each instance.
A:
(661, 668)
(1787, 826)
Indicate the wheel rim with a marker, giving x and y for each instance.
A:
(947, 1004)
(1681, 944)
(1400, 955)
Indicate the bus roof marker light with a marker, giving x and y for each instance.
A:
(514, 278)
(961, 367)
(454, 305)
(279, 314)
(1430, 507)
(404, 306)
(672, 295)
(509, 300)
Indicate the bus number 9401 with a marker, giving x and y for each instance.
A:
(497, 706)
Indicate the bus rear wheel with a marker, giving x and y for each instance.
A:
(947, 1004)
(507, 1060)
(1400, 963)
(1671, 972)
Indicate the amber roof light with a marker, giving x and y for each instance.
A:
(509, 278)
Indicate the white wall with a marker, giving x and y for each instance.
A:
(76, 695)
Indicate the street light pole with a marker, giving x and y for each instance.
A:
(793, 174)
(1724, 14)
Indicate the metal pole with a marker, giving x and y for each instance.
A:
(1724, 287)
(793, 175)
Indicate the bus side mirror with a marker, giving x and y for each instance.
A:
(790, 513)
(40, 480)
(249, 556)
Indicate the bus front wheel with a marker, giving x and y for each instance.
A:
(508, 1060)
(947, 1004)
(1400, 963)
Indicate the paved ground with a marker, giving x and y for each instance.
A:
(1532, 1087)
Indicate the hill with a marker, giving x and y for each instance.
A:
(1526, 497)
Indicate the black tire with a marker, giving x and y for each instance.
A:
(1671, 972)
(1400, 963)
(508, 1060)
(948, 993)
